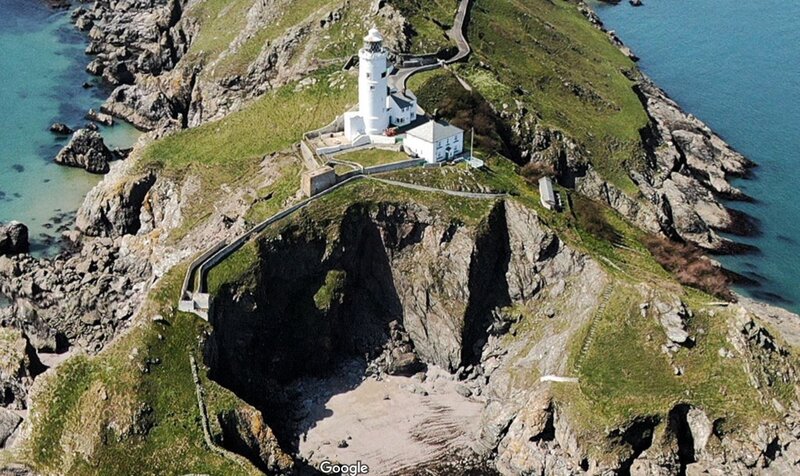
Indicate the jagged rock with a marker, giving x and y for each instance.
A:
(701, 428)
(60, 128)
(80, 299)
(100, 117)
(18, 366)
(86, 149)
(13, 238)
(118, 73)
(672, 317)
(9, 421)
(115, 210)
(245, 432)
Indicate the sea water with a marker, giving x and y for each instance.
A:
(736, 65)
(42, 65)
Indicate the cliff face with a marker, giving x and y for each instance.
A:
(495, 306)
(475, 313)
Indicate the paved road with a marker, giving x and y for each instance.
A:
(399, 79)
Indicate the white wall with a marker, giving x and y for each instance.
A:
(419, 147)
(455, 143)
(353, 125)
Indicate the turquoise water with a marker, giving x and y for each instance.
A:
(736, 65)
(41, 73)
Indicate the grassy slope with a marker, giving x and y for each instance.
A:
(82, 423)
(231, 150)
(557, 44)
(430, 20)
(547, 49)
(370, 157)
(222, 21)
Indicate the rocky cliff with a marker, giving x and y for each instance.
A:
(499, 304)
(517, 342)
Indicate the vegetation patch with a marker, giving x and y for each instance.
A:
(567, 74)
(331, 291)
(133, 406)
(430, 20)
(372, 157)
(232, 151)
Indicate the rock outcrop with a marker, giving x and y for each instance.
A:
(9, 421)
(80, 300)
(245, 432)
(18, 367)
(87, 150)
(113, 211)
(60, 128)
(13, 238)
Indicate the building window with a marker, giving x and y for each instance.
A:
(369, 75)
(383, 75)
(372, 88)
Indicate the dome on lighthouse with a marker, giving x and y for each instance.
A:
(374, 36)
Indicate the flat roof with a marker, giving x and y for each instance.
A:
(546, 190)
(433, 131)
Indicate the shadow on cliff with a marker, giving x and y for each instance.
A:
(300, 327)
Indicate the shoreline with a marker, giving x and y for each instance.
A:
(759, 222)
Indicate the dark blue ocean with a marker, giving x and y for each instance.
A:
(41, 73)
(736, 65)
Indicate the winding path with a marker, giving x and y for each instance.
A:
(400, 77)
(194, 292)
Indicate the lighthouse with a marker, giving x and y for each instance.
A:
(378, 108)
(372, 83)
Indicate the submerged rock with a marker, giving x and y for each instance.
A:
(13, 238)
(87, 150)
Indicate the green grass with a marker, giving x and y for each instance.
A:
(292, 13)
(546, 51)
(219, 22)
(231, 151)
(430, 20)
(104, 415)
(371, 157)
(331, 290)
(624, 373)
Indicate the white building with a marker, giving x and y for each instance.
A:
(378, 108)
(546, 193)
(434, 141)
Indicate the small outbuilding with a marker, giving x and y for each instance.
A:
(546, 194)
(434, 141)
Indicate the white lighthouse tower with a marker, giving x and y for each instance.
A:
(372, 84)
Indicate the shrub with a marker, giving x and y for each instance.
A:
(690, 266)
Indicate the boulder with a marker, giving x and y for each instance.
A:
(672, 317)
(60, 128)
(100, 117)
(9, 421)
(86, 149)
(701, 427)
(13, 238)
